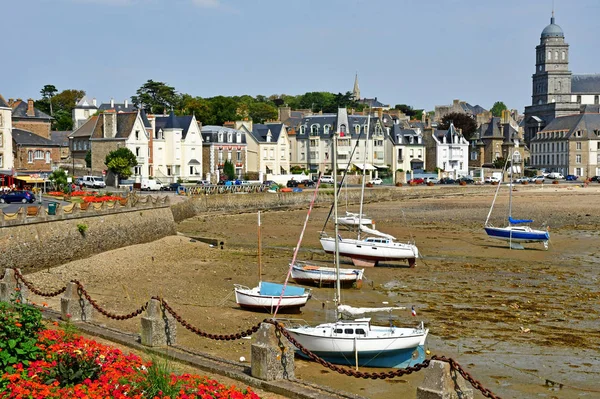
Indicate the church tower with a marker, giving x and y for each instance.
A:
(356, 89)
(552, 78)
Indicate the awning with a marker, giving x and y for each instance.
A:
(29, 179)
(342, 165)
(193, 162)
(361, 166)
(382, 166)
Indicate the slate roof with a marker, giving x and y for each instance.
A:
(19, 110)
(373, 103)
(145, 119)
(3, 102)
(440, 134)
(400, 136)
(125, 122)
(331, 120)
(174, 122)
(210, 135)
(586, 122)
(585, 84)
(260, 132)
(60, 138)
(27, 138)
(474, 109)
(85, 103)
(495, 129)
(87, 128)
(119, 107)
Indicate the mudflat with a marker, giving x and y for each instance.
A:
(522, 322)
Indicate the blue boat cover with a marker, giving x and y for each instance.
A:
(274, 289)
(519, 221)
(297, 190)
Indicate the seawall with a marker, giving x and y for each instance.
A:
(36, 246)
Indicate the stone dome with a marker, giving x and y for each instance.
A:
(552, 30)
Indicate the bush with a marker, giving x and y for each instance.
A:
(19, 325)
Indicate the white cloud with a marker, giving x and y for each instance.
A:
(207, 3)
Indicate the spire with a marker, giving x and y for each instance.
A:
(552, 18)
(356, 89)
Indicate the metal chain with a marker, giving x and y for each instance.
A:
(31, 288)
(82, 291)
(468, 377)
(220, 337)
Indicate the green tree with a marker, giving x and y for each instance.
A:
(155, 97)
(224, 109)
(120, 162)
(262, 111)
(229, 170)
(461, 121)
(88, 159)
(47, 92)
(63, 120)
(499, 163)
(409, 111)
(497, 108)
(58, 179)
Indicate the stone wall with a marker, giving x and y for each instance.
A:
(37, 246)
(41, 127)
(22, 158)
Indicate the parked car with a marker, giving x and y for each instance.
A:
(292, 183)
(17, 196)
(203, 183)
(150, 185)
(307, 183)
(538, 178)
(521, 180)
(79, 181)
(595, 178)
(93, 182)
(417, 180)
(327, 179)
(447, 180)
(172, 187)
(555, 175)
(466, 179)
(268, 183)
(377, 181)
(571, 178)
(492, 179)
(433, 180)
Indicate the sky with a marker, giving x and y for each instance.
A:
(417, 52)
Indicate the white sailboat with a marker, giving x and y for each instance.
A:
(370, 246)
(516, 232)
(268, 296)
(309, 273)
(357, 342)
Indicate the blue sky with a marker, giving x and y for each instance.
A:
(423, 53)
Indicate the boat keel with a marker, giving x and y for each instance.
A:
(361, 262)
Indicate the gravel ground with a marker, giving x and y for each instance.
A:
(525, 323)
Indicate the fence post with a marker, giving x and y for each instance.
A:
(74, 306)
(440, 382)
(11, 288)
(158, 327)
(272, 355)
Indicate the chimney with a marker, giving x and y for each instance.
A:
(30, 109)
(110, 123)
(125, 102)
(11, 101)
(285, 113)
(94, 102)
(112, 102)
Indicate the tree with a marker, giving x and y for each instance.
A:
(497, 108)
(229, 170)
(88, 159)
(47, 92)
(63, 120)
(120, 162)
(409, 111)
(461, 121)
(58, 179)
(155, 97)
(261, 112)
(499, 163)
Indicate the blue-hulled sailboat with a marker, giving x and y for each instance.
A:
(517, 231)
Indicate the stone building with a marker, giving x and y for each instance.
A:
(556, 91)
(26, 117)
(87, 108)
(569, 144)
(33, 153)
(480, 114)
(495, 139)
(220, 144)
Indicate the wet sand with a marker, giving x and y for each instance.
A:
(518, 320)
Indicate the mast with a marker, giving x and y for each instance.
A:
(259, 251)
(362, 189)
(335, 218)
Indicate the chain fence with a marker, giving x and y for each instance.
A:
(280, 328)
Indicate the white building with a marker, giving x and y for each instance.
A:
(452, 151)
(177, 148)
(6, 150)
(268, 148)
(408, 152)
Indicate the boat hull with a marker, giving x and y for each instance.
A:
(322, 276)
(518, 234)
(250, 298)
(366, 254)
(396, 350)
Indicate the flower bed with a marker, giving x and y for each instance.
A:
(102, 198)
(71, 366)
(80, 193)
(55, 193)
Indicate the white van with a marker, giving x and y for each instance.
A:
(150, 185)
(327, 179)
(93, 181)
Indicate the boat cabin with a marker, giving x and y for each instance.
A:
(377, 240)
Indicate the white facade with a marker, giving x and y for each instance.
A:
(585, 98)
(6, 149)
(84, 109)
(271, 155)
(408, 150)
(452, 153)
(137, 142)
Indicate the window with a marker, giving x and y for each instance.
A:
(549, 56)
(38, 154)
(343, 129)
(314, 143)
(339, 331)
(400, 154)
(264, 153)
(326, 129)
(238, 137)
(271, 153)
(229, 155)
(563, 55)
(137, 135)
(220, 156)
(48, 157)
(314, 130)
(596, 101)
(208, 138)
(137, 151)
(137, 170)
(378, 143)
(220, 137)
(360, 331)
(412, 153)
(160, 135)
(556, 55)
(1, 160)
(348, 331)
(578, 145)
(1, 139)
(230, 137)
(357, 129)
(578, 99)
(302, 156)
(302, 129)
(269, 137)
(578, 158)
(473, 155)
(239, 156)
(191, 170)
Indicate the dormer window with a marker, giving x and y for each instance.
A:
(378, 130)
(357, 129)
(326, 129)
(137, 135)
(269, 137)
(207, 139)
(230, 137)
(160, 135)
(343, 128)
(220, 137)
(302, 129)
(314, 130)
(238, 137)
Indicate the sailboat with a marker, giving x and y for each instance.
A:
(370, 246)
(357, 342)
(517, 231)
(304, 272)
(268, 296)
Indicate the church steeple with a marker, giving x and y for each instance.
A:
(356, 89)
